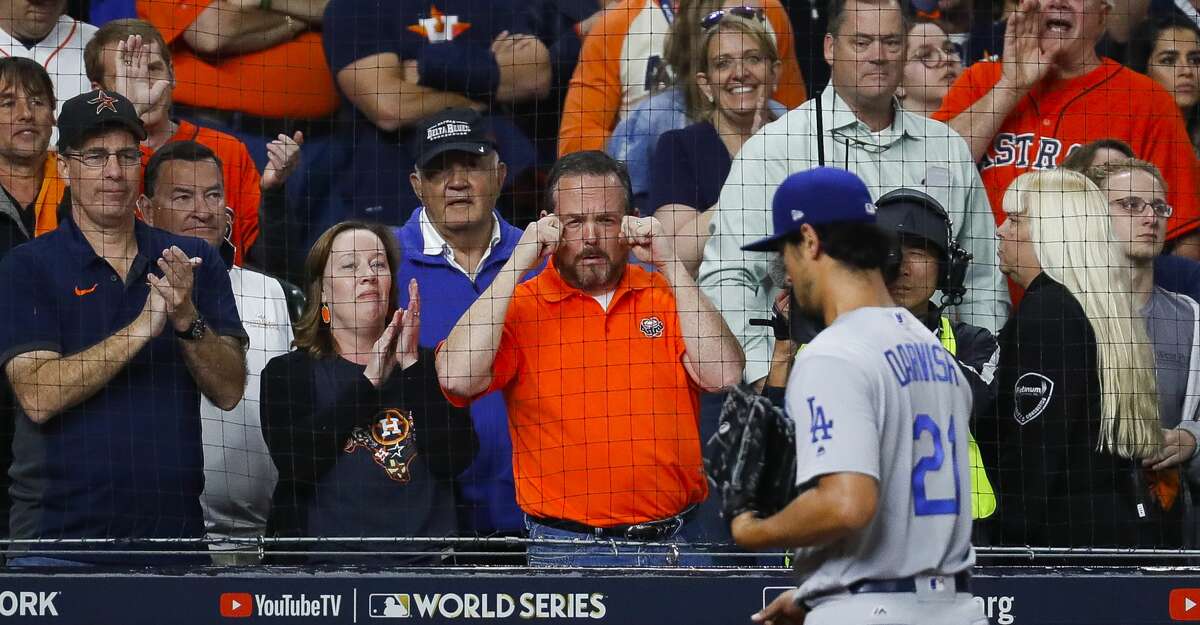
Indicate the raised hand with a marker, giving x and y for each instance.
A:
(647, 239)
(175, 286)
(132, 75)
(282, 155)
(383, 353)
(1024, 63)
(539, 240)
(410, 328)
(761, 113)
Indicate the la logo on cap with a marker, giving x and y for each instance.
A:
(870, 208)
(797, 215)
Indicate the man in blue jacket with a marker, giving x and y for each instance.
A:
(454, 245)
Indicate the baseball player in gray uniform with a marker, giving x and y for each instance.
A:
(882, 527)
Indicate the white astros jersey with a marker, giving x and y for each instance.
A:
(876, 393)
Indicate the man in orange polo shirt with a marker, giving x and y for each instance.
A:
(601, 364)
(145, 74)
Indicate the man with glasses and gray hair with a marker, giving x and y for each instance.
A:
(1052, 94)
(854, 124)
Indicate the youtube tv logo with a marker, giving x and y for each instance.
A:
(237, 604)
(1185, 604)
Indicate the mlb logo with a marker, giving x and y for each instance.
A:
(389, 606)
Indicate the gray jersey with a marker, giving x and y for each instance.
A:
(875, 393)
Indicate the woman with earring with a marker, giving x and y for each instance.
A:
(365, 443)
(737, 66)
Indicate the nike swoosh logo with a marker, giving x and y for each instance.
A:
(81, 292)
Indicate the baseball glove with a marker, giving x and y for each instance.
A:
(751, 460)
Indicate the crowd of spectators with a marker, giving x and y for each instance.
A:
(473, 268)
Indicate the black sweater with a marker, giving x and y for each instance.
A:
(357, 461)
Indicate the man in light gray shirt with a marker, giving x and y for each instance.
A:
(862, 129)
(1136, 194)
(882, 524)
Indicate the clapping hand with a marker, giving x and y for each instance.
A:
(398, 343)
(175, 286)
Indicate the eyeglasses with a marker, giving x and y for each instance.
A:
(726, 62)
(1134, 206)
(99, 158)
(932, 57)
(715, 17)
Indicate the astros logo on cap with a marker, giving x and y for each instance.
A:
(103, 101)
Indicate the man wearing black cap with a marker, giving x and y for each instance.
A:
(882, 525)
(457, 241)
(928, 259)
(111, 332)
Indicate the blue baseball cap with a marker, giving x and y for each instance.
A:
(822, 195)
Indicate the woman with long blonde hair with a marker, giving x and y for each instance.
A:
(1078, 403)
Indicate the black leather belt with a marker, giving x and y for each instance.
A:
(648, 531)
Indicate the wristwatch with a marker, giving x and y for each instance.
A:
(194, 332)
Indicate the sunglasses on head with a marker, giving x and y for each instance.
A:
(715, 17)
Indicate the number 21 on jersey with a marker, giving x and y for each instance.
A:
(925, 426)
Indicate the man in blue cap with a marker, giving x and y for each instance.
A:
(881, 414)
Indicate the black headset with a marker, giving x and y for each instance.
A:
(953, 265)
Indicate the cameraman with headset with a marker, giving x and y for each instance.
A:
(928, 260)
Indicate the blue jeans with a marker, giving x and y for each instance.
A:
(604, 552)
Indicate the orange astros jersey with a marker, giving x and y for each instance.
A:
(620, 56)
(1058, 117)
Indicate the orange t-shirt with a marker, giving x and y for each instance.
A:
(291, 79)
(1058, 117)
(620, 52)
(242, 192)
(604, 417)
(45, 208)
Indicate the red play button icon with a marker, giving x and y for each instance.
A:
(1185, 604)
(241, 604)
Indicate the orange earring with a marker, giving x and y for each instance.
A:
(325, 313)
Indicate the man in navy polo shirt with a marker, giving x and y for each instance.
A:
(456, 243)
(109, 332)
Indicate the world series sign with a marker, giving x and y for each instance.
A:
(1009, 596)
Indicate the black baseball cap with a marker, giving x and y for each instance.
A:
(452, 130)
(83, 114)
(913, 213)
